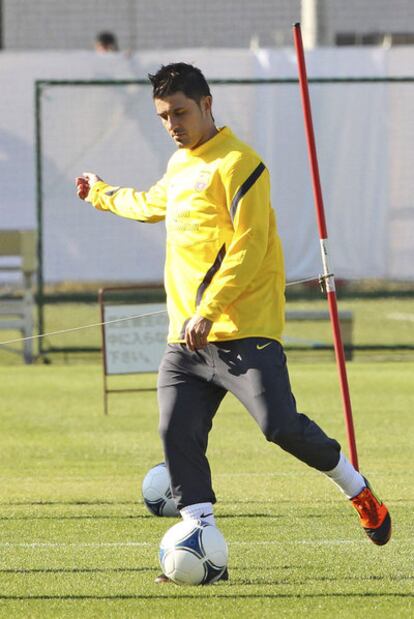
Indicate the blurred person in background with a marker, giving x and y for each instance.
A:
(106, 42)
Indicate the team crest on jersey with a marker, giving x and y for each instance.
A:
(203, 180)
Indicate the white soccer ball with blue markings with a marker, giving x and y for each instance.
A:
(193, 552)
(156, 492)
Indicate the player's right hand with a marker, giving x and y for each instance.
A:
(84, 184)
(82, 187)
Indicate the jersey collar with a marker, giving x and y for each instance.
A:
(223, 132)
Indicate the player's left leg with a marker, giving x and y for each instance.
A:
(373, 513)
(255, 371)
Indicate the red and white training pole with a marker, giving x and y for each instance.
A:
(323, 235)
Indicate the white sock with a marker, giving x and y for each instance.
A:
(348, 479)
(202, 511)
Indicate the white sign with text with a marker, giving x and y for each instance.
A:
(134, 345)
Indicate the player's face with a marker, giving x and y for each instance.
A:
(189, 123)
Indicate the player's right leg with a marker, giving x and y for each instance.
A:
(187, 402)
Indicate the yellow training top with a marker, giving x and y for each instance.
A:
(224, 258)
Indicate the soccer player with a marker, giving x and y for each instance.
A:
(224, 279)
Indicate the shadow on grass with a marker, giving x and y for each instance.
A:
(187, 596)
(79, 570)
(263, 582)
(241, 581)
(41, 503)
(104, 570)
(128, 517)
(80, 517)
(98, 502)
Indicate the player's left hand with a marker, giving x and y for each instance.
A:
(196, 332)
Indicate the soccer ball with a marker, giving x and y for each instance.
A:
(156, 492)
(193, 552)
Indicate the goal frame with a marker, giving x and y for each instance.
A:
(41, 85)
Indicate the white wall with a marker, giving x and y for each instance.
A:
(158, 24)
(148, 24)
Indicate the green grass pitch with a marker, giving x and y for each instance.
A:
(76, 540)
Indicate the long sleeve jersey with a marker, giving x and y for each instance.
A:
(224, 258)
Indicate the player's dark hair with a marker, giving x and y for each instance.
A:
(179, 77)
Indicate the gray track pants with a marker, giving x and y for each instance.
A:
(191, 386)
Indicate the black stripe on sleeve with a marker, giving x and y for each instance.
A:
(249, 182)
(210, 273)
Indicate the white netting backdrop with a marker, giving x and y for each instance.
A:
(111, 130)
(365, 143)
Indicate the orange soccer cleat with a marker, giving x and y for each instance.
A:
(374, 515)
